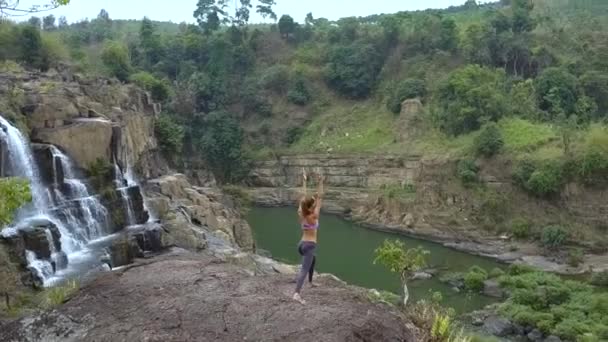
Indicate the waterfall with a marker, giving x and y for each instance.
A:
(123, 188)
(132, 180)
(67, 204)
(22, 164)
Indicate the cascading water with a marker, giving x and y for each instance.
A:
(120, 181)
(80, 219)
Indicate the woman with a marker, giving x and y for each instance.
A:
(308, 212)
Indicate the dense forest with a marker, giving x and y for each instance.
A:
(525, 78)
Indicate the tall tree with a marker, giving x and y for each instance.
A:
(241, 17)
(309, 20)
(286, 25)
(522, 16)
(35, 22)
(48, 23)
(149, 42)
(210, 14)
(265, 9)
(63, 22)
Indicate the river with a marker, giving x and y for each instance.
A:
(347, 250)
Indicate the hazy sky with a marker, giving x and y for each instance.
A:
(181, 10)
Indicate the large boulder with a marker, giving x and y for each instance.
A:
(86, 140)
(498, 326)
(42, 237)
(51, 168)
(491, 288)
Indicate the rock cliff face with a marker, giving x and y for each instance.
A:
(423, 197)
(90, 119)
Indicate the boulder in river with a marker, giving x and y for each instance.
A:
(35, 238)
(491, 288)
(498, 326)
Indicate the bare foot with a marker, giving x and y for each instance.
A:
(298, 298)
(314, 285)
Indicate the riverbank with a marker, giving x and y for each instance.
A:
(199, 297)
(347, 203)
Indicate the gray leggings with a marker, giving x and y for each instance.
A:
(307, 251)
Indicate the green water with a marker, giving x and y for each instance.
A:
(346, 250)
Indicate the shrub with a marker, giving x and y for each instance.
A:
(469, 96)
(293, 134)
(496, 272)
(600, 279)
(275, 78)
(489, 142)
(474, 279)
(170, 135)
(407, 89)
(520, 228)
(299, 93)
(519, 269)
(523, 171)
(575, 257)
(115, 56)
(158, 88)
(557, 84)
(593, 164)
(467, 171)
(13, 194)
(58, 295)
(547, 180)
(353, 69)
(553, 237)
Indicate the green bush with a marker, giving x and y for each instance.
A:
(519, 269)
(293, 134)
(600, 279)
(170, 135)
(299, 93)
(522, 172)
(115, 57)
(471, 95)
(158, 89)
(496, 272)
(546, 180)
(475, 278)
(489, 142)
(553, 237)
(275, 78)
(557, 90)
(593, 167)
(407, 89)
(575, 257)
(353, 69)
(467, 171)
(520, 228)
(13, 194)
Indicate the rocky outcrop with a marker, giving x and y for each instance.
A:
(186, 297)
(188, 211)
(410, 116)
(85, 140)
(88, 118)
